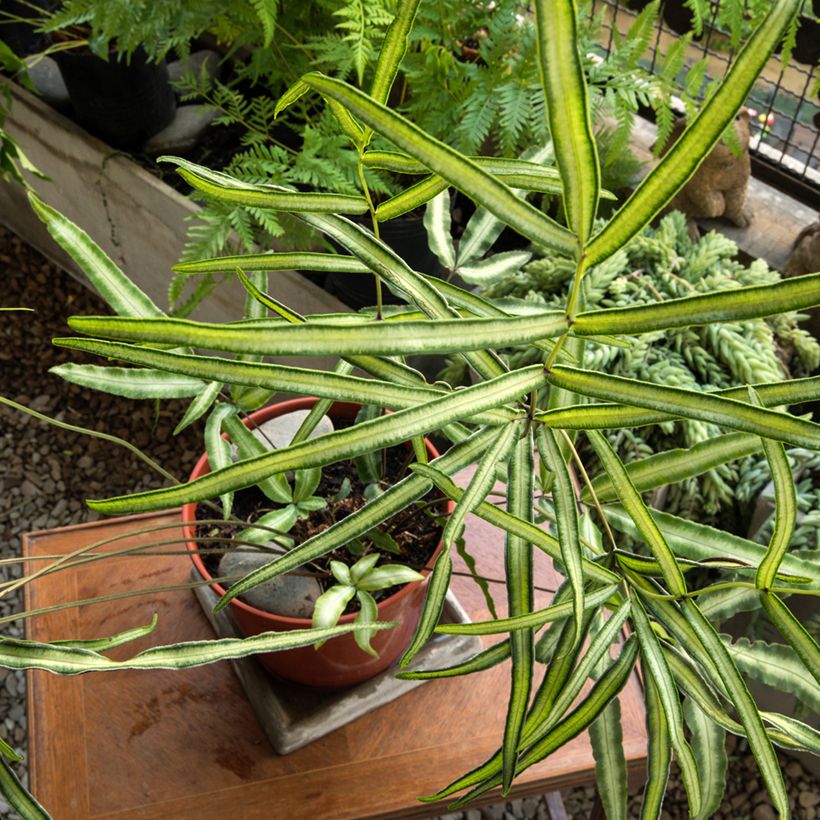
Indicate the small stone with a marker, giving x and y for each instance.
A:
(665, 815)
(189, 124)
(794, 770)
(28, 489)
(194, 63)
(496, 812)
(85, 462)
(517, 807)
(764, 812)
(472, 814)
(46, 78)
(291, 595)
(530, 806)
(808, 799)
(279, 432)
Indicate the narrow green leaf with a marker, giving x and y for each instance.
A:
(284, 378)
(485, 659)
(293, 93)
(528, 620)
(18, 797)
(759, 742)
(566, 512)
(755, 301)
(424, 191)
(796, 635)
(199, 406)
(654, 665)
(494, 268)
(568, 114)
(482, 480)
(63, 660)
(106, 278)
(614, 416)
(699, 542)
(438, 224)
(639, 513)
(386, 431)
(275, 338)
(606, 736)
(719, 410)
(518, 570)
(438, 585)
(274, 262)
(224, 188)
(659, 753)
(459, 171)
(392, 52)
(709, 747)
(702, 133)
(672, 466)
(785, 511)
(131, 383)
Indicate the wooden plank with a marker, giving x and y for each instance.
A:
(134, 216)
(185, 744)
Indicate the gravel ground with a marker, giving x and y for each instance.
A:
(46, 473)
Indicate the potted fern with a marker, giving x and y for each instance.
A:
(520, 424)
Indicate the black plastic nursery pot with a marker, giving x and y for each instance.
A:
(21, 36)
(123, 102)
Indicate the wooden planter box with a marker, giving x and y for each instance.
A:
(137, 219)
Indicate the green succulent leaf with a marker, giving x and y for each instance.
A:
(273, 262)
(568, 114)
(709, 747)
(719, 410)
(130, 383)
(274, 338)
(459, 171)
(755, 301)
(107, 279)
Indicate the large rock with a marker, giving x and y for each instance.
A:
(46, 78)
(279, 432)
(291, 595)
(185, 130)
(195, 62)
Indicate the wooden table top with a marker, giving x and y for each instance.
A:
(186, 745)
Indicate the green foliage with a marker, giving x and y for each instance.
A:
(644, 289)
(661, 264)
(125, 25)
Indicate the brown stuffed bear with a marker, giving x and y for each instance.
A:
(718, 187)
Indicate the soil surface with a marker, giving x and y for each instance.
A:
(46, 473)
(414, 532)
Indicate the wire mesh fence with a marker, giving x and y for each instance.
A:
(784, 105)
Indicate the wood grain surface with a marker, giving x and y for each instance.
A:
(160, 745)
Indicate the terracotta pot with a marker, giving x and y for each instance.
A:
(339, 662)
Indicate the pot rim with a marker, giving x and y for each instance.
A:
(189, 521)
